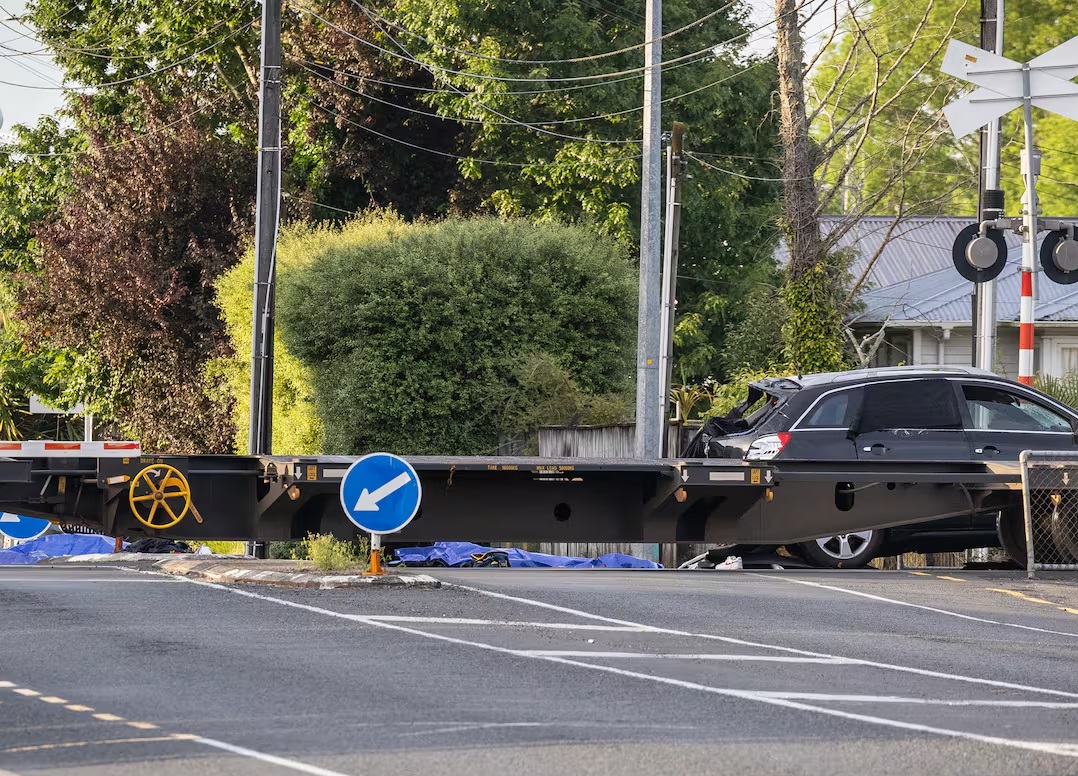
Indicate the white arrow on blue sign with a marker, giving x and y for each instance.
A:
(380, 493)
(21, 527)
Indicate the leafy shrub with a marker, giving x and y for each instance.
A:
(1064, 389)
(331, 554)
(285, 551)
(732, 392)
(414, 336)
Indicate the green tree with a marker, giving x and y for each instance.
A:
(937, 173)
(126, 275)
(416, 338)
(35, 175)
(583, 170)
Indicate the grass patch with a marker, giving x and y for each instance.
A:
(328, 553)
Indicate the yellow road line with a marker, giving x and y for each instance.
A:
(27, 693)
(1016, 594)
(142, 725)
(77, 707)
(1068, 610)
(108, 717)
(950, 579)
(921, 573)
(73, 744)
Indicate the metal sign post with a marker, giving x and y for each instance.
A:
(380, 494)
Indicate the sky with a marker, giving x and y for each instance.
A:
(28, 84)
(36, 79)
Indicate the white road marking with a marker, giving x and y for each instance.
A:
(284, 762)
(509, 623)
(703, 656)
(937, 610)
(1050, 747)
(7, 684)
(273, 759)
(821, 696)
(757, 645)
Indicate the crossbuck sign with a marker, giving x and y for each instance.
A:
(1003, 84)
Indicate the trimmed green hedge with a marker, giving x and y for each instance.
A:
(417, 338)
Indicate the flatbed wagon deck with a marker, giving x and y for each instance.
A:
(509, 499)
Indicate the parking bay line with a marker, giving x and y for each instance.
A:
(730, 640)
(829, 661)
(509, 623)
(840, 698)
(1056, 748)
(935, 609)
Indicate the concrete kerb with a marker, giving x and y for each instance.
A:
(232, 570)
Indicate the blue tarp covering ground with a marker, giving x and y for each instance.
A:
(464, 553)
(55, 546)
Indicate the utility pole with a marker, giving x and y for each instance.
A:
(675, 173)
(990, 206)
(649, 421)
(267, 220)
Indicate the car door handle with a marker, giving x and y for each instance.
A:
(987, 450)
(878, 449)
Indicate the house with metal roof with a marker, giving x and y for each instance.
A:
(913, 292)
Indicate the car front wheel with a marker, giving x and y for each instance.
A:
(843, 551)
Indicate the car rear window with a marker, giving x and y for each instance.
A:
(838, 410)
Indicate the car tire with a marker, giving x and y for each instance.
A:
(1053, 530)
(843, 551)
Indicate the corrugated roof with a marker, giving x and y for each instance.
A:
(918, 245)
(914, 278)
(943, 296)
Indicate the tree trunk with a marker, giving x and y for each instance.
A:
(800, 199)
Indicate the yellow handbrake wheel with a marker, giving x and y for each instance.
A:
(163, 489)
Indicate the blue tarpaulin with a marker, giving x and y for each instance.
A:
(463, 553)
(56, 545)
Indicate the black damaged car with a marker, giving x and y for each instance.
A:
(897, 413)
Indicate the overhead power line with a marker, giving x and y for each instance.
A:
(409, 144)
(508, 79)
(140, 76)
(589, 58)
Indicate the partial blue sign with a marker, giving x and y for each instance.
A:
(21, 527)
(380, 493)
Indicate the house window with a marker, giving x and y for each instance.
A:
(1060, 356)
(896, 350)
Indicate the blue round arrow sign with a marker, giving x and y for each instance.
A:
(21, 527)
(380, 493)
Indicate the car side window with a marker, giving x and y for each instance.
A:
(929, 404)
(835, 411)
(997, 409)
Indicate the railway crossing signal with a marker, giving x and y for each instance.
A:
(980, 252)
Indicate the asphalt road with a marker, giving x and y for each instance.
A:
(105, 671)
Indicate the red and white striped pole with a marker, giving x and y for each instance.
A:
(1029, 246)
(1025, 331)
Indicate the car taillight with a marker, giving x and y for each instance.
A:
(767, 447)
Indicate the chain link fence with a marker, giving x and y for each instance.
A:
(1050, 493)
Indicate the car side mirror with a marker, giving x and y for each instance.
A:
(1074, 429)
